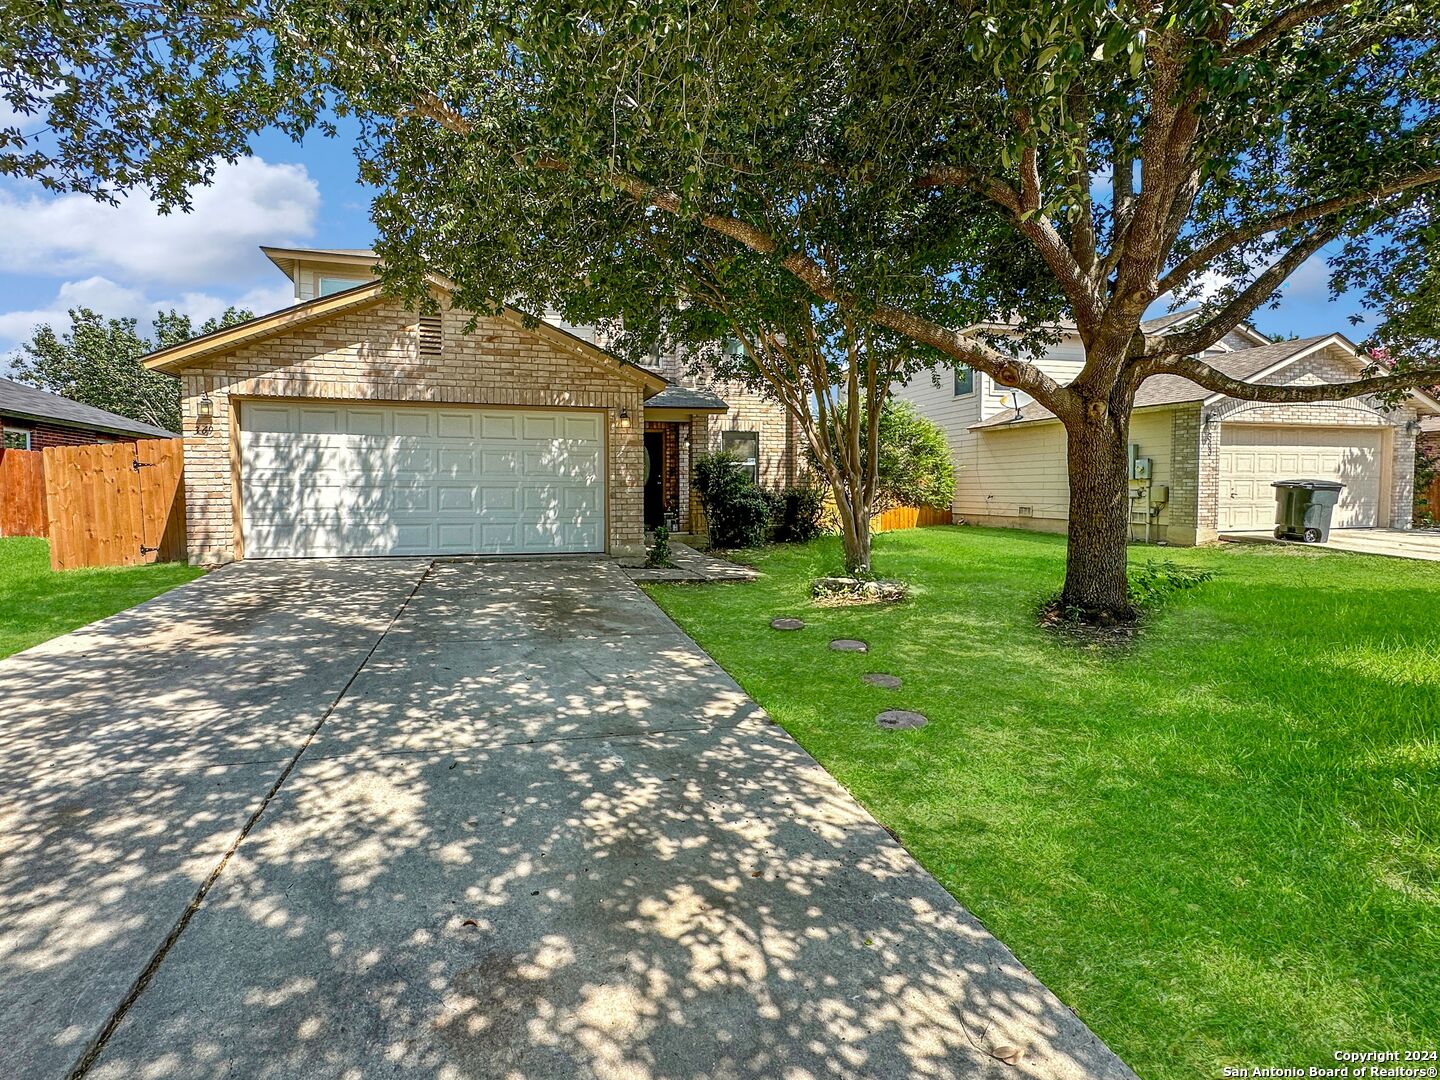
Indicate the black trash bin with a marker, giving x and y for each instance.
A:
(1303, 509)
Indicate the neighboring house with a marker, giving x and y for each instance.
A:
(1211, 458)
(347, 425)
(32, 419)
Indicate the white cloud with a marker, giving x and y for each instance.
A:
(114, 300)
(249, 203)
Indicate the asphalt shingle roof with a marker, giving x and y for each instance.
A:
(26, 402)
(1172, 389)
(676, 396)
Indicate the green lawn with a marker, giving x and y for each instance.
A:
(36, 603)
(1219, 846)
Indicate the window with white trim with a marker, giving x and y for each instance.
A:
(964, 381)
(327, 286)
(745, 445)
(17, 438)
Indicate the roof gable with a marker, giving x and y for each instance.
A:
(321, 308)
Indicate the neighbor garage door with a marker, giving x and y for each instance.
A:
(323, 479)
(1251, 457)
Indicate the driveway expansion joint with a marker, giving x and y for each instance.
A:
(97, 1045)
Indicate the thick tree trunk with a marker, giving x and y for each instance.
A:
(1096, 586)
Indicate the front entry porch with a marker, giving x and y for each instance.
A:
(665, 474)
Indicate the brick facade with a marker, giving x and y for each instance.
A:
(779, 462)
(1187, 477)
(1355, 412)
(371, 354)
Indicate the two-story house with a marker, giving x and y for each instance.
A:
(347, 425)
(1203, 462)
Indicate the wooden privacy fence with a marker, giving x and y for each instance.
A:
(22, 493)
(1432, 498)
(909, 517)
(115, 504)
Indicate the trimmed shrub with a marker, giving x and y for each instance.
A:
(659, 555)
(799, 513)
(737, 512)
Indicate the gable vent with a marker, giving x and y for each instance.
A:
(430, 340)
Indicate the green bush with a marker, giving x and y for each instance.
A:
(737, 512)
(1154, 583)
(659, 555)
(914, 467)
(799, 514)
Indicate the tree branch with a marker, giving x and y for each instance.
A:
(1202, 374)
(996, 191)
(1238, 308)
(955, 344)
(1201, 258)
(1279, 26)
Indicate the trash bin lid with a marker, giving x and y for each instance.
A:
(1310, 485)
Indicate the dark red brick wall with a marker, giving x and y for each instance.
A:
(45, 435)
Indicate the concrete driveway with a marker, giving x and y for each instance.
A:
(459, 819)
(1423, 544)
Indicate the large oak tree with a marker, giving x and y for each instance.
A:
(1137, 150)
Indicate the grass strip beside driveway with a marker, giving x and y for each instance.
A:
(37, 603)
(1220, 845)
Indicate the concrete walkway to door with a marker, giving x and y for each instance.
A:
(460, 819)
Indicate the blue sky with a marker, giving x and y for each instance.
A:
(63, 251)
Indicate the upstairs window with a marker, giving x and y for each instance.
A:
(329, 285)
(964, 381)
(745, 445)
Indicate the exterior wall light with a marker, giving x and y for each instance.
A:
(624, 417)
(205, 414)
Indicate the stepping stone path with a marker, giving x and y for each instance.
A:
(900, 720)
(846, 644)
(889, 682)
(787, 624)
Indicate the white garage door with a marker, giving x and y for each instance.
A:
(1251, 457)
(323, 479)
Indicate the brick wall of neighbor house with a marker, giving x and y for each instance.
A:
(369, 354)
(1354, 412)
(44, 435)
(1186, 475)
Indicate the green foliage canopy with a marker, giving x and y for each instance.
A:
(97, 362)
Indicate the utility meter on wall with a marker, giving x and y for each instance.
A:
(1142, 469)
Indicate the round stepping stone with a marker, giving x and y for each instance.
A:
(900, 720)
(845, 644)
(787, 624)
(875, 678)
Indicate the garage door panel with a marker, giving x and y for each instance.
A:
(1253, 457)
(387, 480)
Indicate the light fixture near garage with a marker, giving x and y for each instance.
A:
(624, 417)
(205, 414)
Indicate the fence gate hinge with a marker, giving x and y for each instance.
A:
(137, 464)
(147, 550)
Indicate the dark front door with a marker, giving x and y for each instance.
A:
(654, 479)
